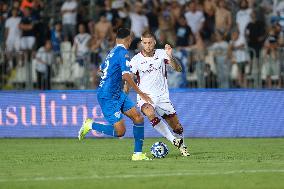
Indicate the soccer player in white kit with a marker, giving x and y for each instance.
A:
(149, 66)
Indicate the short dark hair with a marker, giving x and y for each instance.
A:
(122, 33)
(148, 34)
(102, 13)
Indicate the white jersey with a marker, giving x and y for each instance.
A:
(151, 72)
(69, 17)
(82, 40)
(12, 24)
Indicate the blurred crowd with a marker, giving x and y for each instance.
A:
(220, 43)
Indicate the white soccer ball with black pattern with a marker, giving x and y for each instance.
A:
(159, 150)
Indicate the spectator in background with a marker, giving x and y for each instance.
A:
(220, 52)
(255, 34)
(152, 16)
(26, 4)
(69, 18)
(5, 10)
(44, 60)
(12, 36)
(195, 18)
(36, 10)
(184, 35)
(28, 34)
(41, 29)
(209, 23)
(279, 11)
(278, 30)
(251, 3)
(139, 23)
(198, 59)
(270, 57)
(83, 11)
(82, 44)
(243, 17)
(96, 59)
(210, 77)
(161, 39)
(56, 37)
(3, 17)
(2, 24)
(240, 57)
(27, 45)
(223, 18)
(123, 21)
(110, 13)
(15, 5)
(280, 51)
(67, 55)
(103, 31)
(166, 22)
(82, 50)
(176, 10)
(208, 6)
(264, 11)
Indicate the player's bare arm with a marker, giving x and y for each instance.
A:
(173, 61)
(126, 86)
(127, 77)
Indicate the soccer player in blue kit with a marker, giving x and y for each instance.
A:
(113, 101)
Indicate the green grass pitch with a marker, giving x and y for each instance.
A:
(105, 163)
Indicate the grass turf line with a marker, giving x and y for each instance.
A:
(105, 163)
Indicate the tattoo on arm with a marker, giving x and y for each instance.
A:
(175, 64)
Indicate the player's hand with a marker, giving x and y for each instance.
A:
(146, 98)
(168, 50)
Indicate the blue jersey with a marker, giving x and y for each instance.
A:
(113, 67)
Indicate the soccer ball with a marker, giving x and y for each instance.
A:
(159, 150)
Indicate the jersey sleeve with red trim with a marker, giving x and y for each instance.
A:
(133, 65)
(163, 55)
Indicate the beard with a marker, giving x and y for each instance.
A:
(149, 52)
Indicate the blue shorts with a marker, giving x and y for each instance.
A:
(113, 108)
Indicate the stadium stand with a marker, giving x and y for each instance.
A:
(221, 44)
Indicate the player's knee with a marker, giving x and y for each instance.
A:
(138, 118)
(150, 115)
(148, 111)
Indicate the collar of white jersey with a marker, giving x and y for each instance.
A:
(120, 45)
(141, 52)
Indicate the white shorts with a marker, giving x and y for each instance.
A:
(162, 104)
(13, 44)
(27, 43)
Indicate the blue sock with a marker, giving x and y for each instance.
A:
(105, 129)
(138, 132)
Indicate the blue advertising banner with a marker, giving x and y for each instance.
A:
(203, 113)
